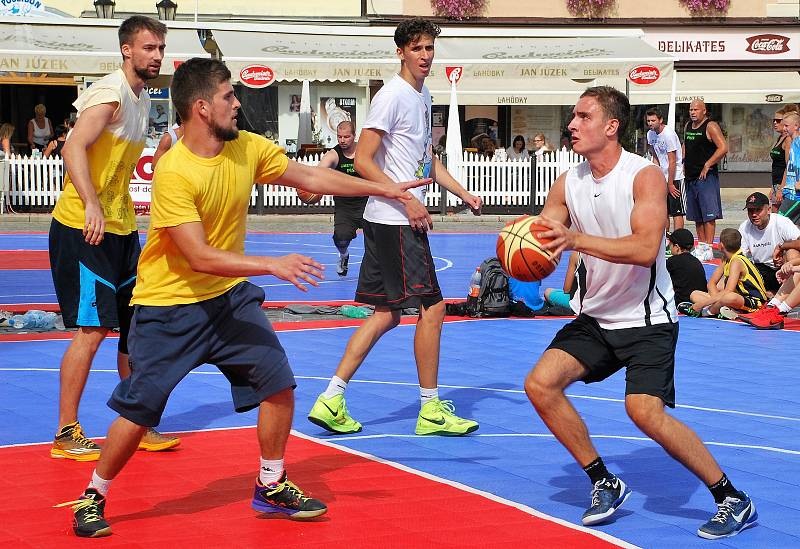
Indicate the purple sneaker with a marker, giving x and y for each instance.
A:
(285, 497)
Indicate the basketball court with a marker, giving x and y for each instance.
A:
(510, 484)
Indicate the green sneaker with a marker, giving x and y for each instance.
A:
(331, 414)
(437, 418)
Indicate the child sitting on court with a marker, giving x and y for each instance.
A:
(561, 298)
(685, 270)
(736, 283)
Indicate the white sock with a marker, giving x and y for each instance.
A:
(100, 484)
(336, 387)
(426, 395)
(774, 302)
(270, 471)
(784, 308)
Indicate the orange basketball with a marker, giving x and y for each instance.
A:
(307, 197)
(521, 252)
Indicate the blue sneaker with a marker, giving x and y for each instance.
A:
(286, 497)
(607, 496)
(733, 516)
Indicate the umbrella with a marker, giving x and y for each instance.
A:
(305, 130)
(453, 144)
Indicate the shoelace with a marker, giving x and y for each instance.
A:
(80, 438)
(446, 407)
(292, 488)
(91, 510)
(598, 487)
(724, 510)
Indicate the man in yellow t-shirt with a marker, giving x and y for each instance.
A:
(94, 245)
(193, 304)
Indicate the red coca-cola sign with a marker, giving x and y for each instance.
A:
(768, 44)
(257, 76)
(644, 74)
(453, 73)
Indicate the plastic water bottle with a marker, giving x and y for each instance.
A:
(37, 320)
(475, 283)
(351, 311)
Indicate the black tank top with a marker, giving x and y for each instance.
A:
(778, 156)
(699, 148)
(347, 166)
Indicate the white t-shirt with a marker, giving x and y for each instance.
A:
(406, 149)
(614, 294)
(758, 245)
(666, 142)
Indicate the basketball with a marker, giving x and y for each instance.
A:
(521, 253)
(307, 197)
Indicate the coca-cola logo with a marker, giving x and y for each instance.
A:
(768, 44)
(644, 74)
(774, 98)
(453, 73)
(257, 76)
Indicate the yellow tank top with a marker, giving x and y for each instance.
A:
(750, 283)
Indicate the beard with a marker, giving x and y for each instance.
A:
(224, 134)
(146, 73)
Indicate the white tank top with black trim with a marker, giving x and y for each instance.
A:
(616, 295)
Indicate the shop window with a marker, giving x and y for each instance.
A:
(259, 111)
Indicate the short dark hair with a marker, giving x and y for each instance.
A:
(731, 239)
(197, 78)
(410, 30)
(614, 104)
(134, 24)
(654, 112)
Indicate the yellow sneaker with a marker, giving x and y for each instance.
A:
(153, 441)
(70, 443)
(437, 417)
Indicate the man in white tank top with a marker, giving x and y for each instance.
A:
(605, 209)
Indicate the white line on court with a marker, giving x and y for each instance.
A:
(466, 387)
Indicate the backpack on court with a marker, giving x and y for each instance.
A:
(493, 298)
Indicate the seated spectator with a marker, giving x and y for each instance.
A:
(54, 147)
(541, 145)
(686, 271)
(517, 150)
(6, 134)
(561, 298)
(772, 315)
(763, 235)
(736, 284)
(525, 292)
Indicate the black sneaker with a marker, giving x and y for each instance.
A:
(607, 496)
(88, 520)
(285, 497)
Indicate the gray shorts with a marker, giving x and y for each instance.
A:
(229, 331)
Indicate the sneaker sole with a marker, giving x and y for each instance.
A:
(752, 521)
(61, 454)
(266, 508)
(597, 519)
(336, 430)
(98, 534)
(160, 447)
(770, 327)
(448, 433)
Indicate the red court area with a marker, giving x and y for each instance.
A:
(199, 496)
(11, 260)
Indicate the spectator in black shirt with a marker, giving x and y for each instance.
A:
(686, 270)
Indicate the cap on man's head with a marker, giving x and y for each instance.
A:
(682, 238)
(756, 200)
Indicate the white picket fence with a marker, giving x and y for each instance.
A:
(35, 183)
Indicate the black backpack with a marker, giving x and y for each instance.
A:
(493, 298)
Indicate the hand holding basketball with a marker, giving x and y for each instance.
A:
(523, 251)
(307, 197)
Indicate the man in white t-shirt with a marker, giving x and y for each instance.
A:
(763, 235)
(667, 154)
(607, 208)
(397, 271)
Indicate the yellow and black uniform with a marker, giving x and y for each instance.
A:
(184, 318)
(751, 285)
(94, 283)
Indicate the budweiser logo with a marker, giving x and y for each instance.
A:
(453, 73)
(257, 76)
(644, 74)
(768, 44)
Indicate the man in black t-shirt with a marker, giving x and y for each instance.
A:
(349, 210)
(686, 270)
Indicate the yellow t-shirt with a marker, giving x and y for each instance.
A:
(112, 158)
(214, 191)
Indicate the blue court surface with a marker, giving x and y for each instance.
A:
(733, 388)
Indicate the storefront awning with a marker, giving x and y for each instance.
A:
(79, 47)
(747, 87)
(552, 67)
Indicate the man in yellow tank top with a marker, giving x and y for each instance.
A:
(192, 272)
(94, 244)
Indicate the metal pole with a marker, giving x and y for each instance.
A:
(533, 185)
(443, 191)
(260, 199)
